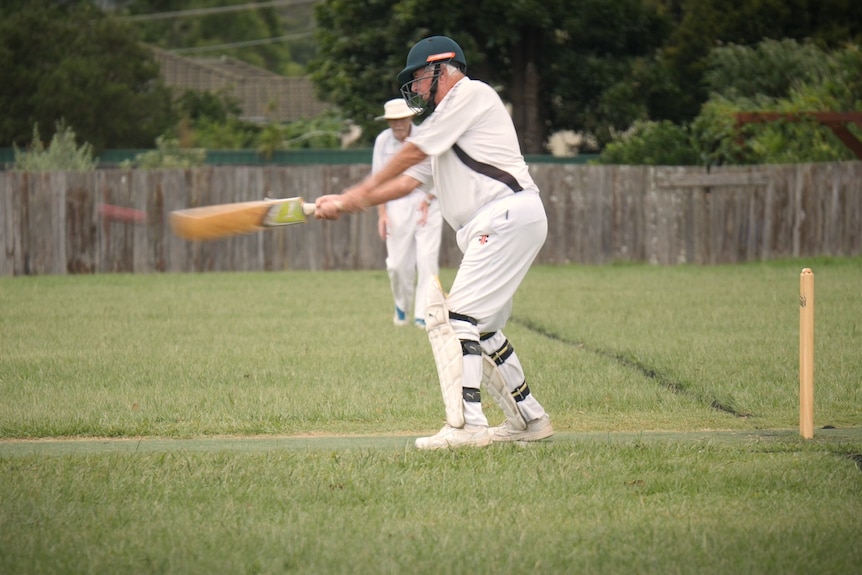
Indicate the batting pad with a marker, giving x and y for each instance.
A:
(492, 379)
(448, 355)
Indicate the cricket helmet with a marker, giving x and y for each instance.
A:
(436, 49)
(432, 51)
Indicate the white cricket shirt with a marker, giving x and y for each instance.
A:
(473, 117)
(386, 145)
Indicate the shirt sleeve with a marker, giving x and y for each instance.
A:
(422, 173)
(377, 162)
(456, 113)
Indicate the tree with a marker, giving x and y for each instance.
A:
(769, 69)
(561, 64)
(701, 25)
(265, 27)
(67, 61)
(786, 77)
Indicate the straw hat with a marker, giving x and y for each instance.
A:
(395, 110)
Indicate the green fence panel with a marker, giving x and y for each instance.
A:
(113, 158)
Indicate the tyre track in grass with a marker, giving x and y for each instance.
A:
(645, 370)
(849, 435)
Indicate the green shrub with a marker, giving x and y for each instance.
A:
(168, 154)
(652, 143)
(62, 153)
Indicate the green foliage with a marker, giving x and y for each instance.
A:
(652, 143)
(289, 26)
(356, 66)
(198, 105)
(716, 135)
(601, 64)
(231, 134)
(211, 121)
(168, 154)
(324, 131)
(68, 60)
(582, 53)
(321, 132)
(771, 68)
(604, 73)
(842, 84)
(787, 77)
(62, 153)
(701, 25)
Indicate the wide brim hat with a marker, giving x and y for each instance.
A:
(396, 109)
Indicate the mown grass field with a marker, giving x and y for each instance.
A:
(263, 423)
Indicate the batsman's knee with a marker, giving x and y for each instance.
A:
(470, 347)
(496, 346)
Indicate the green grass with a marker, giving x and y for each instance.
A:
(673, 391)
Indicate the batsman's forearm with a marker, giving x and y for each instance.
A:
(361, 196)
(409, 155)
(392, 190)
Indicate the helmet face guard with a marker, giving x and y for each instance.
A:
(417, 102)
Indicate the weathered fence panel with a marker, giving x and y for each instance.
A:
(53, 223)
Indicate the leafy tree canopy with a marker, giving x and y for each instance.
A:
(275, 38)
(772, 76)
(67, 61)
(702, 25)
(561, 64)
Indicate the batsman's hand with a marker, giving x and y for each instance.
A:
(328, 207)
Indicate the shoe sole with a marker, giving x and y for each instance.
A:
(524, 438)
(474, 443)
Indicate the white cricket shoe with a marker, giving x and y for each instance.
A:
(536, 430)
(467, 436)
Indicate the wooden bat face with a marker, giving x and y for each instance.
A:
(225, 220)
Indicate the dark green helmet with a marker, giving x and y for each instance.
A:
(436, 49)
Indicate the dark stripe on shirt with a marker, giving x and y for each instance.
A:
(487, 169)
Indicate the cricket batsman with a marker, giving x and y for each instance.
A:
(487, 195)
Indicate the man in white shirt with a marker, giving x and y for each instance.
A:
(411, 225)
(487, 195)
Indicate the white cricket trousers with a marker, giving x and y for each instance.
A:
(499, 245)
(412, 251)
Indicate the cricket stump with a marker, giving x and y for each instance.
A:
(806, 354)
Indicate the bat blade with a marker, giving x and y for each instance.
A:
(225, 220)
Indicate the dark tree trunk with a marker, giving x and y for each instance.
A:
(524, 93)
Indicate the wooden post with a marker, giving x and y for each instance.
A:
(806, 354)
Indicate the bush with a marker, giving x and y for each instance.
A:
(168, 154)
(62, 153)
(652, 143)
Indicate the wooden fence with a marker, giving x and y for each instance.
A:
(53, 223)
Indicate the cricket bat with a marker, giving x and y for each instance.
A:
(225, 220)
